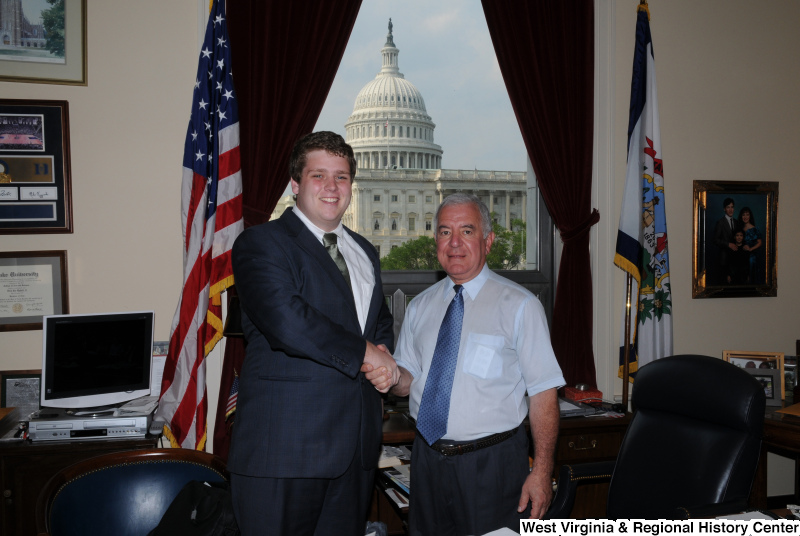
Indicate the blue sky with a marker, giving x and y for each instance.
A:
(446, 52)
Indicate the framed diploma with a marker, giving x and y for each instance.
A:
(33, 284)
(35, 184)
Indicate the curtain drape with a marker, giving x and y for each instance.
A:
(285, 56)
(546, 54)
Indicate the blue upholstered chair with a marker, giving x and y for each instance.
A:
(120, 494)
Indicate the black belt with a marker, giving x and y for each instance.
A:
(455, 448)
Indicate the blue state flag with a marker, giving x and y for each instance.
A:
(642, 237)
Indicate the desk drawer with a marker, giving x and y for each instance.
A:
(583, 447)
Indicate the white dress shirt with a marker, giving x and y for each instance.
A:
(505, 351)
(362, 275)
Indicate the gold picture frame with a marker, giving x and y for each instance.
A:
(20, 61)
(755, 360)
(720, 267)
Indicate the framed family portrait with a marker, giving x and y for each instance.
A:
(735, 239)
(33, 284)
(760, 364)
(35, 182)
(48, 45)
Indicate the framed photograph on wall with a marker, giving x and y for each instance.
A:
(49, 44)
(33, 284)
(35, 183)
(760, 361)
(735, 239)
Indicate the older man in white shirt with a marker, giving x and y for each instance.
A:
(471, 472)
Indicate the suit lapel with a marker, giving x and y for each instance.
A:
(309, 243)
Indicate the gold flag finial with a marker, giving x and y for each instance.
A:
(644, 7)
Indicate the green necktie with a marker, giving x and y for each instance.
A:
(329, 241)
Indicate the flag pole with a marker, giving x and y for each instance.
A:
(627, 352)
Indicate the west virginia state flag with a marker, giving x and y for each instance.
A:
(642, 237)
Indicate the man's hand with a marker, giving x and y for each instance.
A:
(538, 488)
(538, 491)
(380, 368)
(733, 247)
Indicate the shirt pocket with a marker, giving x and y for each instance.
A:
(483, 356)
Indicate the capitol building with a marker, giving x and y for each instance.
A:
(400, 181)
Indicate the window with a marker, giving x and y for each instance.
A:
(429, 199)
(376, 197)
(412, 199)
(378, 248)
(394, 227)
(377, 226)
(428, 225)
(394, 199)
(412, 224)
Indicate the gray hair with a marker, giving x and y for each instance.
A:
(461, 198)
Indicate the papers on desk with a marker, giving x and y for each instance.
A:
(393, 456)
(401, 476)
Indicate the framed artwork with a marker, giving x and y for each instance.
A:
(760, 361)
(735, 239)
(33, 284)
(20, 389)
(50, 44)
(35, 184)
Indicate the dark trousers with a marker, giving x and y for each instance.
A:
(304, 506)
(469, 494)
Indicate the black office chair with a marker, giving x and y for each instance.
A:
(691, 449)
(120, 494)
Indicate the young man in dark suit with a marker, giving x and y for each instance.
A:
(308, 427)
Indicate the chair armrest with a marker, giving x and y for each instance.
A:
(569, 477)
(711, 510)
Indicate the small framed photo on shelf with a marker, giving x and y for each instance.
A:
(735, 242)
(20, 389)
(771, 381)
(35, 183)
(33, 284)
(751, 361)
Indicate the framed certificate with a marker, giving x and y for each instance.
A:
(33, 284)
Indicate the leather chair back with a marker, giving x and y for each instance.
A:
(694, 439)
(121, 494)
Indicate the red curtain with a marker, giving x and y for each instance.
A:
(546, 54)
(285, 56)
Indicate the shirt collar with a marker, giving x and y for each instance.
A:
(339, 231)
(471, 287)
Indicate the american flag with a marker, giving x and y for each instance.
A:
(233, 397)
(211, 213)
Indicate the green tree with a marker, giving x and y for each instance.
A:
(417, 254)
(53, 22)
(508, 249)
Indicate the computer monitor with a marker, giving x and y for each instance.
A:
(91, 360)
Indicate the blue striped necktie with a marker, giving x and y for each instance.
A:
(435, 405)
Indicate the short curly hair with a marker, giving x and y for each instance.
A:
(330, 142)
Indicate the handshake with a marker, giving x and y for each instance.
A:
(380, 368)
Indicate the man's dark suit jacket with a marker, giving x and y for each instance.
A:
(723, 235)
(303, 406)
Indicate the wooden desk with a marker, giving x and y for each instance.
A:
(580, 440)
(781, 436)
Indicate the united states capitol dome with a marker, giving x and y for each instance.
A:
(390, 127)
